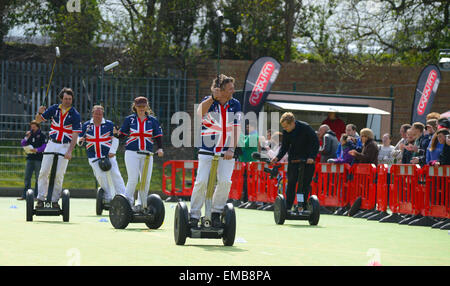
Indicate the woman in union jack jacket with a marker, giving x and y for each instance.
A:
(98, 133)
(142, 131)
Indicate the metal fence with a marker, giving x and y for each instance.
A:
(22, 90)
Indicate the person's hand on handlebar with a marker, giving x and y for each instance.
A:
(310, 161)
(274, 160)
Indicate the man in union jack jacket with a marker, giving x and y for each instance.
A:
(98, 133)
(64, 129)
(220, 115)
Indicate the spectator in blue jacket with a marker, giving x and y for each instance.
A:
(345, 157)
(436, 146)
(350, 130)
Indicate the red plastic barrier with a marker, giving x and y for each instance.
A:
(179, 169)
(406, 196)
(260, 187)
(363, 184)
(437, 191)
(382, 187)
(332, 186)
(237, 181)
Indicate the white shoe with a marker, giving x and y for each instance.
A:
(137, 208)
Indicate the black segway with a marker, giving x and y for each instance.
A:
(311, 213)
(152, 213)
(48, 210)
(227, 230)
(100, 202)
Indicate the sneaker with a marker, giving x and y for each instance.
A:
(193, 222)
(55, 205)
(39, 204)
(137, 208)
(215, 220)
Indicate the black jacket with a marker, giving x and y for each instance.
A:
(36, 140)
(300, 143)
(444, 158)
(329, 146)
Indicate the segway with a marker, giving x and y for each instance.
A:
(312, 211)
(152, 213)
(48, 210)
(100, 203)
(227, 230)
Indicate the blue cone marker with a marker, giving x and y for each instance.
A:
(103, 220)
(13, 207)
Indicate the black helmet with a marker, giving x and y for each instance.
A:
(104, 164)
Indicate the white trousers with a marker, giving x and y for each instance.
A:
(103, 180)
(222, 190)
(135, 166)
(46, 166)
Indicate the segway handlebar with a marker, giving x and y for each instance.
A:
(145, 153)
(260, 157)
(299, 161)
(54, 153)
(211, 153)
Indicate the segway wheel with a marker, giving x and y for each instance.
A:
(181, 225)
(155, 202)
(99, 201)
(65, 205)
(120, 212)
(229, 222)
(30, 204)
(314, 206)
(279, 209)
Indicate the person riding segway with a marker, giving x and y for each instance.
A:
(101, 146)
(142, 130)
(220, 115)
(64, 130)
(302, 144)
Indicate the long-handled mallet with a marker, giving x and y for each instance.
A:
(210, 189)
(100, 80)
(219, 38)
(51, 75)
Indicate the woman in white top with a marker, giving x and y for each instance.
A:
(386, 152)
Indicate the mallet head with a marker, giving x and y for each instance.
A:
(57, 52)
(111, 66)
(219, 14)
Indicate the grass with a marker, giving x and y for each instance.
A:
(337, 240)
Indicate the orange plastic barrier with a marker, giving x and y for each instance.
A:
(179, 169)
(382, 187)
(406, 196)
(363, 184)
(332, 185)
(237, 179)
(437, 191)
(181, 178)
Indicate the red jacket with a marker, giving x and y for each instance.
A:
(337, 125)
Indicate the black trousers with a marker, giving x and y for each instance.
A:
(304, 187)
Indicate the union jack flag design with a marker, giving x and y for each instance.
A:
(140, 133)
(218, 125)
(62, 124)
(97, 140)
